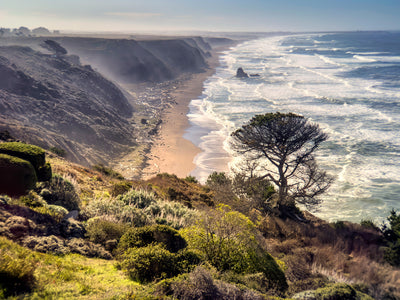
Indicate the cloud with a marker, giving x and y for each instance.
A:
(133, 14)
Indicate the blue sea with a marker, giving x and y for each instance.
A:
(348, 83)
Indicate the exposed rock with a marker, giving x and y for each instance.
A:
(46, 244)
(50, 101)
(41, 31)
(54, 47)
(73, 214)
(241, 74)
(19, 227)
(71, 228)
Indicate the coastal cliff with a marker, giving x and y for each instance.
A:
(66, 92)
(48, 100)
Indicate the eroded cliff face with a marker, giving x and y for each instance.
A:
(130, 61)
(48, 100)
(63, 92)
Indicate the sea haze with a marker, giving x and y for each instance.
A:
(348, 83)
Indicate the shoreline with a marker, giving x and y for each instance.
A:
(170, 152)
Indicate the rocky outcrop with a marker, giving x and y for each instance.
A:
(241, 74)
(49, 100)
(131, 61)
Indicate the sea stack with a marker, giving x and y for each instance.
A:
(241, 74)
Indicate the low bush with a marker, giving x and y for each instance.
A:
(140, 208)
(100, 230)
(337, 291)
(200, 284)
(17, 176)
(108, 171)
(228, 240)
(116, 210)
(17, 268)
(147, 235)
(140, 199)
(120, 188)
(153, 262)
(59, 151)
(35, 155)
(191, 179)
(59, 191)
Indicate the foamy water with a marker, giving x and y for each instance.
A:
(348, 83)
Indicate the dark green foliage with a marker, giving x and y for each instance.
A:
(147, 235)
(35, 155)
(17, 267)
(32, 200)
(17, 176)
(100, 231)
(191, 179)
(108, 171)
(369, 224)
(337, 291)
(44, 172)
(154, 262)
(228, 241)
(175, 195)
(392, 238)
(59, 151)
(283, 146)
(218, 178)
(59, 191)
(120, 188)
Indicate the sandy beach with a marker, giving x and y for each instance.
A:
(170, 151)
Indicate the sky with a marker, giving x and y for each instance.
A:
(201, 15)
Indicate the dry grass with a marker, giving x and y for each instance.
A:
(340, 252)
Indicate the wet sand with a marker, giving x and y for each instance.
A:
(170, 151)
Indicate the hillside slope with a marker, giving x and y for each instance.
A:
(53, 100)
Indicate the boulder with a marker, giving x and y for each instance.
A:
(241, 74)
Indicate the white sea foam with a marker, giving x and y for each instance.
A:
(361, 117)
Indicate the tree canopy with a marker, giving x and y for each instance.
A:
(283, 146)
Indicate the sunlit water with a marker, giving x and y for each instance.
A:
(349, 83)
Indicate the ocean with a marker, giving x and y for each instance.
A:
(348, 83)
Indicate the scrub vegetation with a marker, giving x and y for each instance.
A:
(88, 234)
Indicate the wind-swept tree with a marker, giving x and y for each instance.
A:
(283, 146)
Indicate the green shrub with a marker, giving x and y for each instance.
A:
(191, 179)
(108, 171)
(200, 284)
(148, 263)
(147, 235)
(44, 172)
(337, 291)
(17, 268)
(117, 210)
(17, 176)
(140, 199)
(59, 151)
(100, 230)
(392, 237)
(35, 155)
(120, 188)
(61, 192)
(228, 241)
(32, 200)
